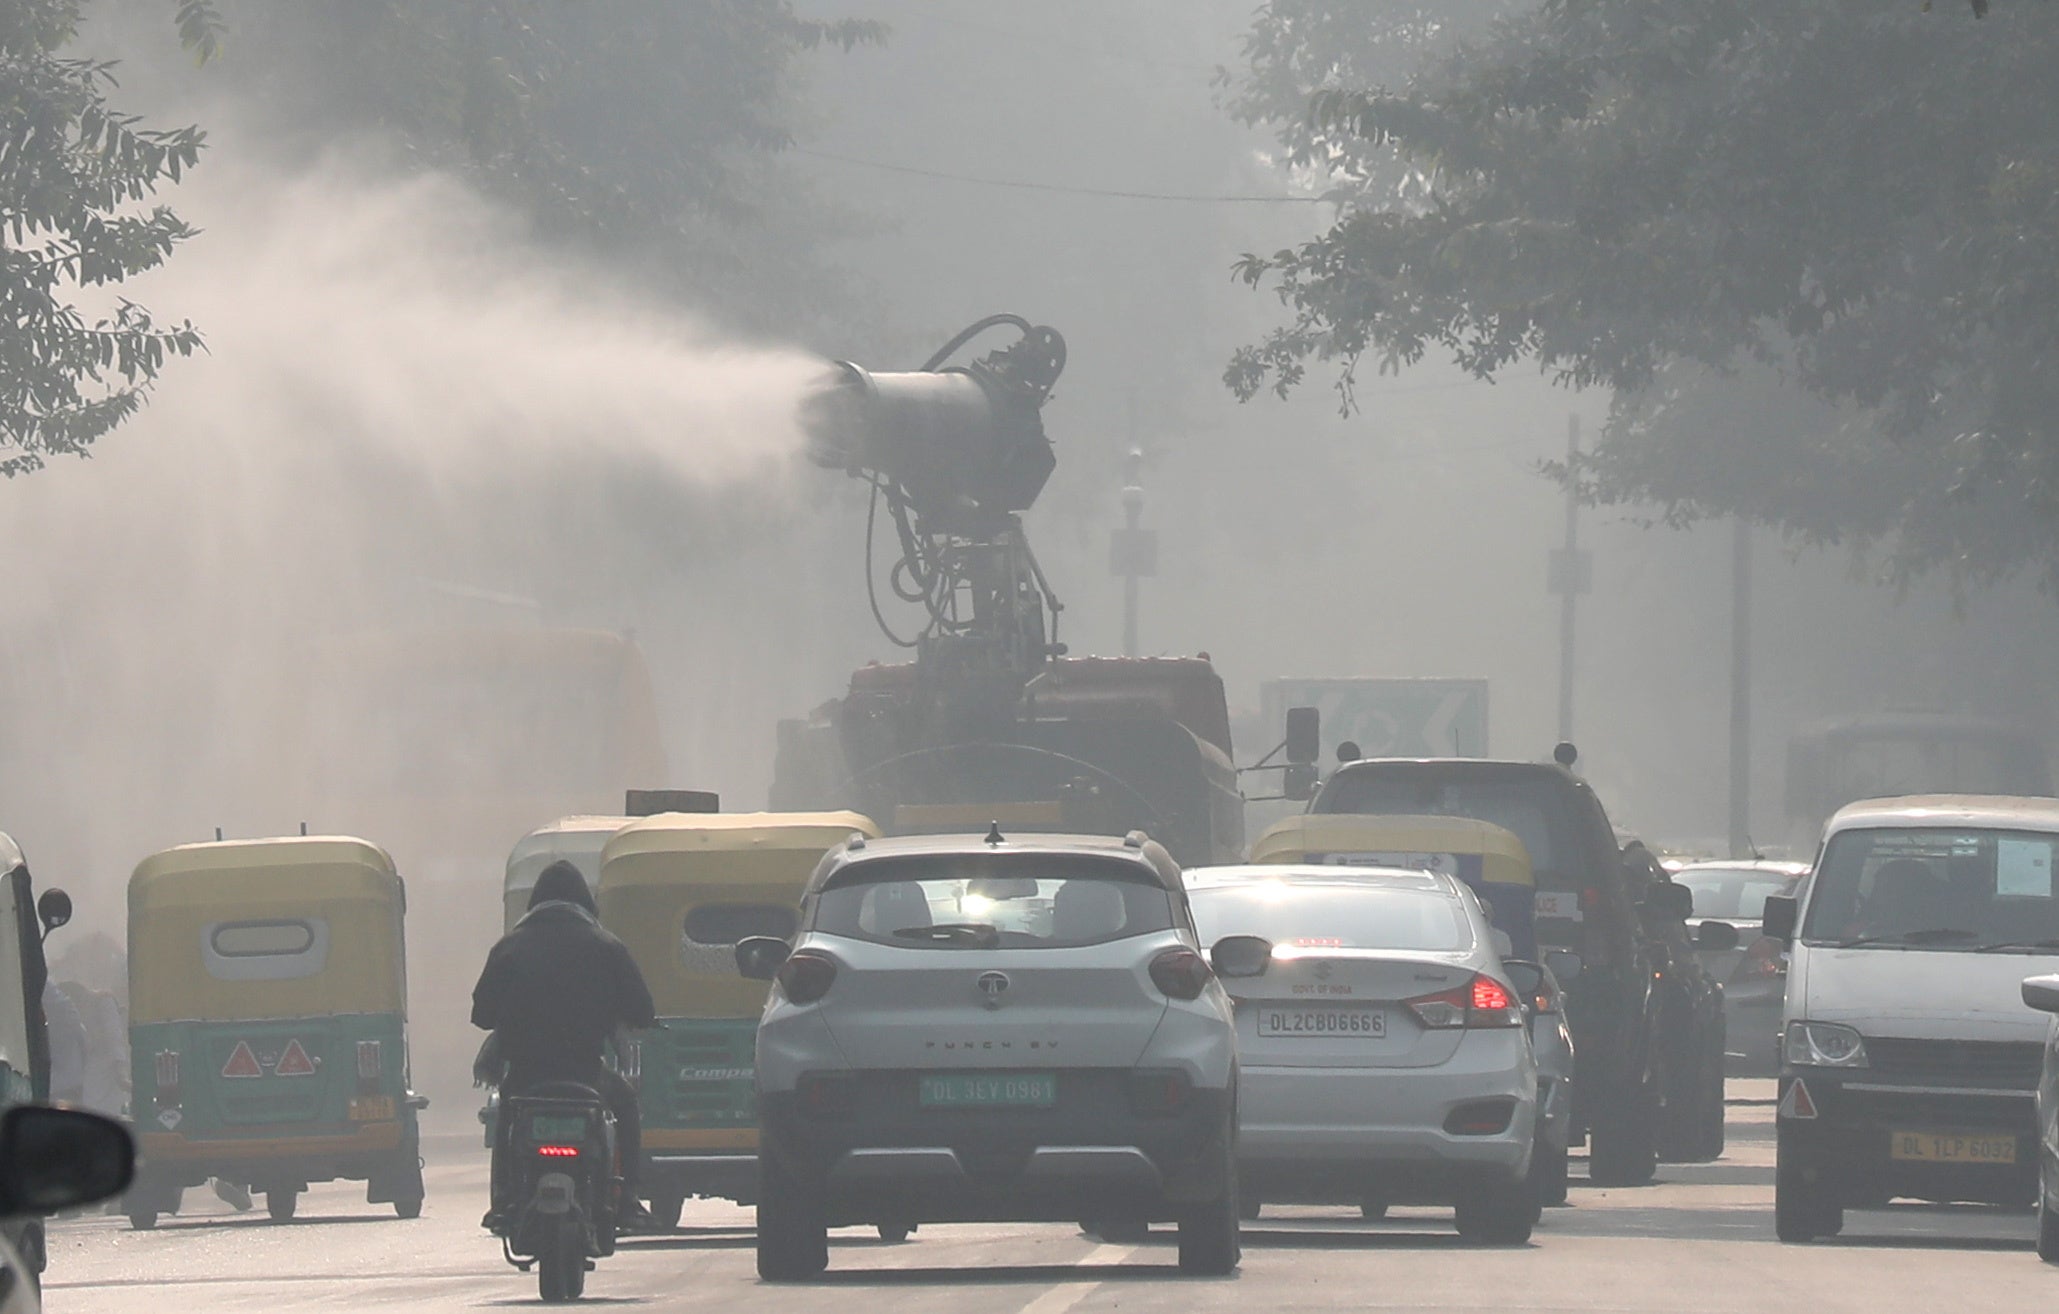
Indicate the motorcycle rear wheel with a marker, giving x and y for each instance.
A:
(561, 1267)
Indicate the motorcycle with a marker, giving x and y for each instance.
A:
(556, 1185)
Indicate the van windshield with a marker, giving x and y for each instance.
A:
(1936, 888)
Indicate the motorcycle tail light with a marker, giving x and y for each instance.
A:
(806, 976)
(1180, 973)
(557, 1151)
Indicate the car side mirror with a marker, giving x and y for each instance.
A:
(53, 909)
(1563, 964)
(54, 1159)
(759, 957)
(1717, 936)
(2042, 993)
(1304, 735)
(1240, 956)
(1527, 978)
(1782, 915)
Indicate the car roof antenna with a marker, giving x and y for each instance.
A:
(994, 835)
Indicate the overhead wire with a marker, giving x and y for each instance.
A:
(1062, 189)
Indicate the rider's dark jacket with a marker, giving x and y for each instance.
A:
(558, 985)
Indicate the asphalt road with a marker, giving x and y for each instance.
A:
(1701, 1239)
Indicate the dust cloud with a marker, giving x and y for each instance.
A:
(411, 420)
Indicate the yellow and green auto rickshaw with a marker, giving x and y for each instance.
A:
(268, 1023)
(1489, 859)
(681, 889)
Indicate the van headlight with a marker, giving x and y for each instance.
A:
(1824, 1045)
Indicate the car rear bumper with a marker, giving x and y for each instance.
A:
(1850, 1143)
(1321, 1134)
(1090, 1155)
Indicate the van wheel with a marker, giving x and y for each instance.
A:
(1805, 1210)
(143, 1220)
(666, 1206)
(408, 1208)
(1622, 1150)
(2048, 1230)
(281, 1205)
(793, 1237)
(1499, 1215)
(1210, 1244)
(893, 1233)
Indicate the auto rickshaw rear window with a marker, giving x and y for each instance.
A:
(265, 950)
(720, 926)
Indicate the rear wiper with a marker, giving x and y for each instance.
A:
(2016, 944)
(979, 935)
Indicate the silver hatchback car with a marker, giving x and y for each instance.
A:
(1384, 1048)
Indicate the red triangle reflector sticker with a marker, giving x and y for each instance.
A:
(242, 1063)
(294, 1062)
(1796, 1105)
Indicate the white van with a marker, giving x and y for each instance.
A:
(1909, 1064)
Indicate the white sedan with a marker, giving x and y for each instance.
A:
(1383, 1048)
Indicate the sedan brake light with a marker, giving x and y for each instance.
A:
(806, 975)
(1761, 962)
(1181, 973)
(1478, 1003)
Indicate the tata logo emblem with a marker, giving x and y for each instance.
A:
(992, 985)
(1322, 970)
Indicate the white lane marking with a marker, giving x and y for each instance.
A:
(1065, 1295)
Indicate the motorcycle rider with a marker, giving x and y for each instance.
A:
(554, 990)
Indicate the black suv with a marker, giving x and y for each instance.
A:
(1647, 1021)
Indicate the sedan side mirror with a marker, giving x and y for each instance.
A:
(1782, 915)
(1527, 978)
(54, 1159)
(759, 957)
(53, 909)
(2042, 993)
(1718, 936)
(1563, 964)
(1240, 956)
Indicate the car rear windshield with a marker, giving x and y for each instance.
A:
(1534, 804)
(1332, 917)
(1942, 888)
(975, 901)
(1733, 893)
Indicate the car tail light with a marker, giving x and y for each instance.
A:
(1480, 1002)
(1181, 973)
(1762, 962)
(806, 976)
(827, 1094)
(629, 1062)
(1159, 1091)
(558, 1151)
(167, 1077)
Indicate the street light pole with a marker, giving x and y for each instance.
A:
(1133, 550)
(1741, 690)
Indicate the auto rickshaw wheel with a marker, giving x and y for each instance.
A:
(281, 1205)
(408, 1208)
(143, 1220)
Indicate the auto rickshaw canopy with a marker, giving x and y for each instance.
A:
(577, 840)
(1490, 859)
(680, 888)
(252, 929)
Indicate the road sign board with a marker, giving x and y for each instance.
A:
(1389, 717)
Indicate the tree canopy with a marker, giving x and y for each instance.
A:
(1698, 204)
(74, 178)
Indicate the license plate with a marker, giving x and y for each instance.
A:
(1323, 1023)
(557, 1129)
(1950, 1147)
(1034, 1090)
(371, 1108)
